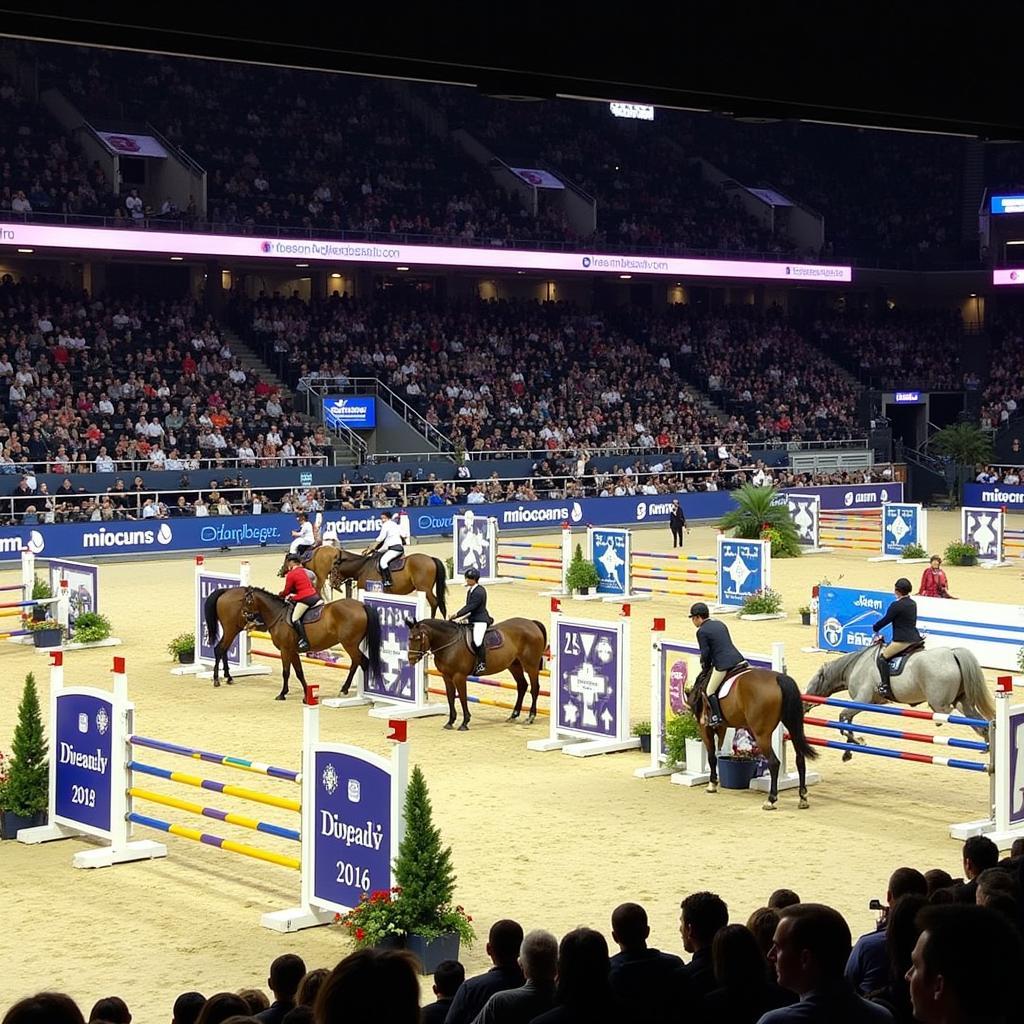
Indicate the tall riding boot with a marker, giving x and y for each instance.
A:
(884, 686)
(717, 718)
(303, 639)
(385, 575)
(481, 658)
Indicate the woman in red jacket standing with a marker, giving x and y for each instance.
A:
(933, 580)
(299, 588)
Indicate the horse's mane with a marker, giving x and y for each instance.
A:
(831, 671)
(268, 594)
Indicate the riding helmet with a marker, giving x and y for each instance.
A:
(903, 585)
(701, 609)
(472, 574)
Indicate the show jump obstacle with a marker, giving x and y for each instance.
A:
(882, 533)
(350, 810)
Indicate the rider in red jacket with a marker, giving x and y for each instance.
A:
(299, 588)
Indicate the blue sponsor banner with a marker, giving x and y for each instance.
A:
(357, 412)
(610, 555)
(82, 748)
(840, 496)
(588, 678)
(351, 825)
(1006, 204)
(993, 496)
(400, 680)
(901, 525)
(126, 537)
(845, 617)
(745, 569)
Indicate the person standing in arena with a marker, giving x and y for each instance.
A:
(933, 580)
(902, 616)
(677, 523)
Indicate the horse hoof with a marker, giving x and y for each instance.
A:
(447, 725)
(847, 755)
(344, 691)
(769, 805)
(280, 696)
(463, 727)
(803, 805)
(531, 720)
(230, 681)
(216, 684)
(512, 717)
(712, 787)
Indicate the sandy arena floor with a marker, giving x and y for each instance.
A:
(553, 841)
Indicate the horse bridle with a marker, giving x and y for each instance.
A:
(252, 617)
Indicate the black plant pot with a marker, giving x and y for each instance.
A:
(391, 942)
(645, 743)
(186, 657)
(736, 772)
(805, 618)
(430, 952)
(47, 638)
(11, 824)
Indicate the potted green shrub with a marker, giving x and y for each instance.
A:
(683, 743)
(418, 912)
(913, 553)
(805, 614)
(961, 553)
(183, 648)
(643, 730)
(90, 628)
(582, 575)
(25, 787)
(449, 564)
(763, 604)
(46, 632)
(41, 590)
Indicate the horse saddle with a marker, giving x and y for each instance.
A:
(731, 676)
(396, 564)
(313, 615)
(492, 639)
(897, 664)
(307, 556)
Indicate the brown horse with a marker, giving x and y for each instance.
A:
(420, 572)
(321, 563)
(758, 701)
(521, 652)
(231, 610)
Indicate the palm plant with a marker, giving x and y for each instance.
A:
(757, 515)
(966, 446)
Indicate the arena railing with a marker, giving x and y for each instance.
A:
(64, 467)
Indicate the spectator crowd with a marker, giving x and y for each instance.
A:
(944, 951)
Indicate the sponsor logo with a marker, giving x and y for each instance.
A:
(426, 523)
(832, 630)
(641, 511)
(523, 514)
(104, 538)
(576, 515)
(1003, 497)
(347, 526)
(229, 535)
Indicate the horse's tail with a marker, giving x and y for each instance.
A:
(374, 671)
(976, 690)
(793, 716)
(441, 587)
(544, 637)
(210, 615)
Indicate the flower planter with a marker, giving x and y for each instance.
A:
(47, 638)
(11, 824)
(696, 756)
(645, 743)
(391, 942)
(186, 657)
(736, 772)
(805, 618)
(430, 952)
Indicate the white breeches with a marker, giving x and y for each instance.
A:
(479, 632)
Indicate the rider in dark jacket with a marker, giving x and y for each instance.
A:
(902, 616)
(717, 652)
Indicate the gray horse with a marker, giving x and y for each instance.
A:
(943, 677)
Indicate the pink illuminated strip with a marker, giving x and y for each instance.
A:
(172, 243)
(1010, 276)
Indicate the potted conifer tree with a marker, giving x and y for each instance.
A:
(24, 793)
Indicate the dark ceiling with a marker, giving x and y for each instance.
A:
(899, 65)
